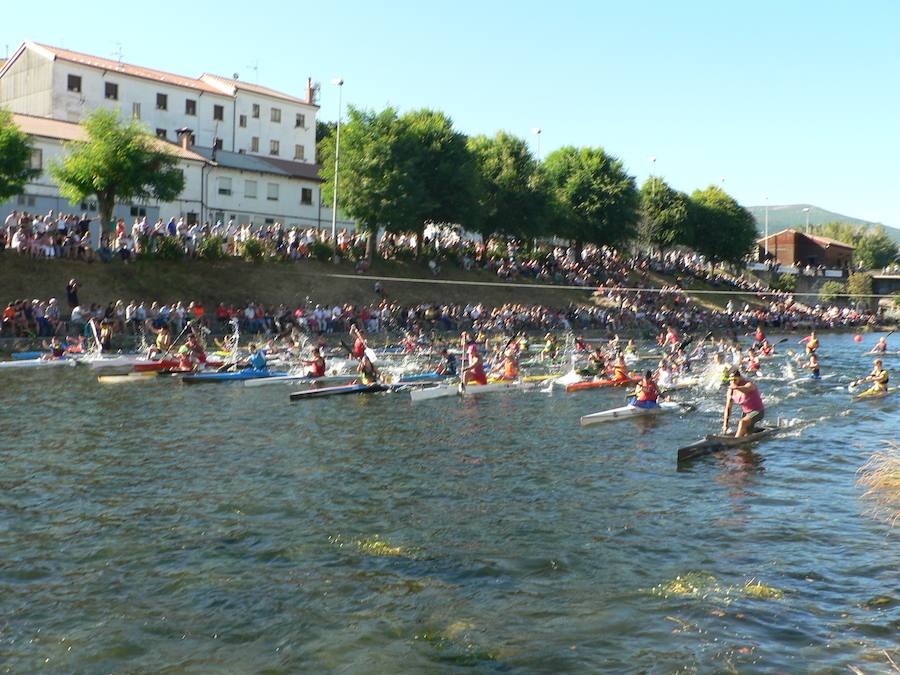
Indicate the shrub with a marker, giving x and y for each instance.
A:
(320, 250)
(253, 250)
(211, 248)
(860, 285)
(831, 291)
(168, 248)
(785, 282)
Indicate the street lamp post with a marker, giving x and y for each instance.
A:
(767, 227)
(652, 160)
(537, 132)
(337, 153)
(806, 211)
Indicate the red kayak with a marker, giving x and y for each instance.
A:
(168, 364)
(597, 384)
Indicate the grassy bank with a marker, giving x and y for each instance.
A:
(236, 281)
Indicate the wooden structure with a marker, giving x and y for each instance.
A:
(791, 247)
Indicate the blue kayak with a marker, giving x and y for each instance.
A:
(422, 377)
(24, 356)
(237, 376)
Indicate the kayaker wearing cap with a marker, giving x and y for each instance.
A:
(474, 370)
(646, 392)
(879, 378)
(746, 394)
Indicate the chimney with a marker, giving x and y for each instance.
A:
(184, 137)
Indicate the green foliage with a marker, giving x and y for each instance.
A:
(896, 300)
(15, 158)
(723, 229)
(211, 248)
(166, 248)
(875, 249)
(320, 250)
(785, 282)
(119, 161)
(859, 285)
(253, 249)
(664, 215)
(594, 198)
(831, 291)
(513, 197)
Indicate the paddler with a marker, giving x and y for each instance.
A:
(621, 374)
(447, 366)
(105, 336)
(879, 378)
(368, 373)
(257, 359)
(765, 349)
(56, 348)
(751, 361)
(474, 370)
(646, 393)
(316, 365)
(881, 347)
(759, 338)
(163, 341)
(195, 347)
(551, 347)
(812, 365)
(812, 342)
(746, 394)
(359, 344)
(510, 365)
(596, 362)
(580, 345)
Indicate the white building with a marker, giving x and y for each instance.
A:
(254, 147)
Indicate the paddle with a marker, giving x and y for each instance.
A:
(172, 346)
(462, 370)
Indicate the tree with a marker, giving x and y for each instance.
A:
(119, 162)
(15, 158)
(445, 184)
(596, 200)
(859, 286)
(723, 229)
(875, 249)
(664, 215)
(831, 291)
(375, 176)
(511, 199)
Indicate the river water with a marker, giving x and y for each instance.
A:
(160, 527)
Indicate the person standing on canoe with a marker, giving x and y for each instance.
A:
(812, 343)
(879, 378)
(359, 344)
(746, 394)
(646, 393)
(474, 370)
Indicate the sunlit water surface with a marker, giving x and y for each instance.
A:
(160, 527)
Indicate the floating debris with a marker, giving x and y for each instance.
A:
(705, 586)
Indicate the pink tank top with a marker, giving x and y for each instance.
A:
(748, 402)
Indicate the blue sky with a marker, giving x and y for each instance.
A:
(797, 101)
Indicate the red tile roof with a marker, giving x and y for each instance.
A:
(228, 84)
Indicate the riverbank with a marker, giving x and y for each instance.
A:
(271, 283)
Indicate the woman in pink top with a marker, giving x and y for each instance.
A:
(745, 394)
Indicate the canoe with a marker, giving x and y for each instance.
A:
(118, 361)
(447, 390)
(627, 411)
(147, 366)
(598, 384)
(809, 379)
(344, 390)
(22, 356)
(39, 363)
(712, 443)
(869, 395)
(237, 376)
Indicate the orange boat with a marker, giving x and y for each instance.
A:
(597, 384)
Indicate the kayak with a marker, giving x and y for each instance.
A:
(809, 379)
(344, 390)
(446, 390)
(119, 361)
(712, 443)
(39, 363)
(126, 378)
(887, 353)
(869, 395)
(296, 379)
(21, 356)
(145, 366)
(597, 384)
(237, 376)
(628, 411)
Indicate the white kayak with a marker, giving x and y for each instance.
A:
(887, 353)
(808, 379)
(629, 411)
(446, 390)
(295, 379)
(38, 363)
(116, 361)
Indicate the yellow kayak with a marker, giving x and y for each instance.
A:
(871, 394)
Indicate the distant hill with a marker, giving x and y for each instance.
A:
(792, 215)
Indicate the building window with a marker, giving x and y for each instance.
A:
(242, 121)
(306, 195)
(300, 121)
(217, 143)
(250, 189)
(190, 107)
(25, 200)
(136, 111)
(219, 112)
(162, 102)
(74, 83)
(272, 192)
(138, 211)
(254, 144)
(274, 148)
(111, 91)
(224, 186)
(161, 133)
(193, 139)
(298, 152)
(255, 111)
(276, 114)
(36, 161)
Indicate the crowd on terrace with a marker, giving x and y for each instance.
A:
(628, 291)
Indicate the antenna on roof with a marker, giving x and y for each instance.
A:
(117, 52)
(255, 69)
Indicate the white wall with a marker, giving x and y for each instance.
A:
(27, 86)
(284, 132)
